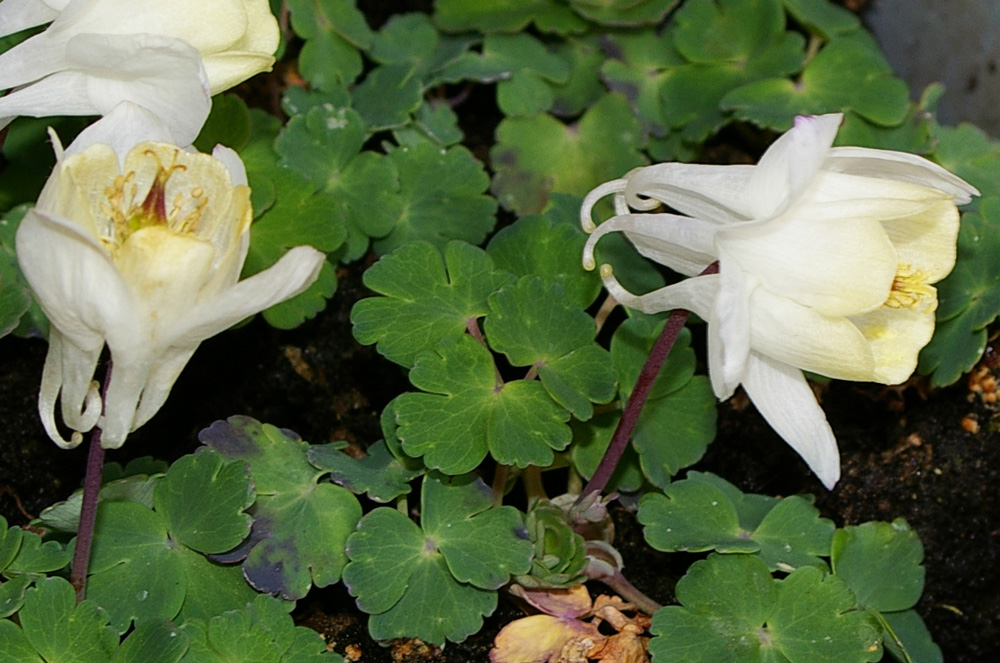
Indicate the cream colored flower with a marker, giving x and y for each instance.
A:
(826, 260)
(166, 55)
(141, 251)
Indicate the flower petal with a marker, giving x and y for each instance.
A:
(730, 318)
(790, 163)
(208, 26)
(784, 399)
(296, 271)
(80, 411)
(798, 335)
(65, 267)
(17, 15)
(896, 337)
(126, 126)
(695, 294)
(616, 187)
(900, 166)
(159, 73)
(229, 69)
(684, 244)
(713, 193)
(129, 375)
(161, 378)
(839, 265)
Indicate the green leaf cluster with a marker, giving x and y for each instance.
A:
(436, 581)
(840, 594)
(150, 578)
(300, 523)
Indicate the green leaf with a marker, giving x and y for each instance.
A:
(539, 155)
(750, 508)
(405, 38)
(534, 324)
(60, 630)
(15, 297)
(583, 87)
(908, 632)
(34, 556)
(206, 526)
(28, 161)
(674, 431)
(12, 595)
(10, 543)
(65, 516)
(387, 96)
(334, 30)
(913, 135)
(523, 68)
(727, 44)
(881, 563)
(212, 588)
(434, 121)
(548, 245)
(15, 647)
(678, 420)
(636, 69)
(436, 582)
(506, 16)
(822, 17)
(379, 474)
(968, 299)
(732, 610)
(324, 144)
(427, 297)
(300, 524)
(972, 155)
(227, 124)
(153, 642)
(134, 573)
(297, 217)
(590, 442)
(695, 515)
(468, 413)
(261, 632)
(814, 619)
(848, 74)
(620, 13)
(441, 196)
(142, 568)
(727, 30)
(483, 546)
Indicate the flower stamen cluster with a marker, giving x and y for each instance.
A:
(910, 290)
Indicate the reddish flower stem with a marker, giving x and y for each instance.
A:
(643, 385)
(88, 509)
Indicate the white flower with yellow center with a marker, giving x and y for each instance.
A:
(826, 260)
(142, 251)
(168, 56)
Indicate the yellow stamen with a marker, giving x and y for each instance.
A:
(910, 290)
(128, 215)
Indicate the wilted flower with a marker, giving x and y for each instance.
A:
(141, 251)
(826, 260)
(166, 55)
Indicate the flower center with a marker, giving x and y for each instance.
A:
(127, 214)
(910, 290)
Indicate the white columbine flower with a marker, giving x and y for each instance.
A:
(143, 251)
(169, 56)
(826, 260)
